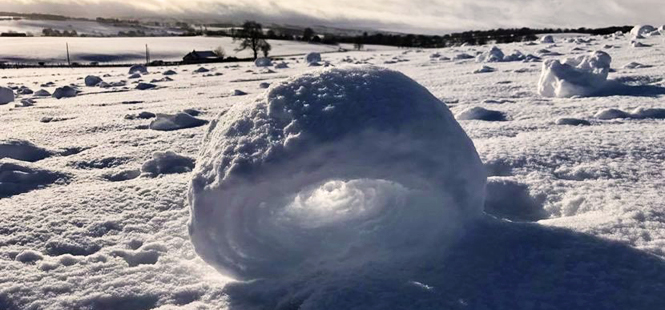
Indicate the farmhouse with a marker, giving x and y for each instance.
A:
(201, 56)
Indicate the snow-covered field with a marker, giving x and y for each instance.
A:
(91, 28)
(132, 50)
(94, 209)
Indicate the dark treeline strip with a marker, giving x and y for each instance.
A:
(478, 37)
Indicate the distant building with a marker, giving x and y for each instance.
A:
(13, 34)
(201, 56)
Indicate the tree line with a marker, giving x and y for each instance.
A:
(476, 37)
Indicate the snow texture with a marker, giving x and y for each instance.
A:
(574, 77)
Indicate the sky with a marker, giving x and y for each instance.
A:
(409, 16)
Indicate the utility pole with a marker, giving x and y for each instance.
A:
(147, 55)
(69, 63)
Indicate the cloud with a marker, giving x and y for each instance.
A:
(421, 16)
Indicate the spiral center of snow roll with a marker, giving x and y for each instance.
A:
(339, 202)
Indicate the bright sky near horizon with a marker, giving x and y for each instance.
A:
(417, 16)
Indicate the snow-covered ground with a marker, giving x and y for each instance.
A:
(129, 50)
(94, 195)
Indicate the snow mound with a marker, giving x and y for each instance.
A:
(482, 114)
(25, 102)
(92, 80)
(138, 69)
(281, 65)
(29, 256)
(22, 150)
(167, 163)
(24, 91)
(42, 93)
(512, 200)
(611, 114)
(135, 76)
(17, 178)
(169, 72)
(333, 172)
(237, 92)
(462, 56)
(641, 30)
(6, 95)
(548, 39)
(638, 113)
(144, 86)
(263, 62)
(635, 65)
(313, 58)
(572, 121)
(493, 55)
(484, 69)
(201, 70)
(64, 92)
(580, 76)
(168, 122)
(264, 85)
(648, 113)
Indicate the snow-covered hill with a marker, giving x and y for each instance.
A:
(94, 188)
(132, 50)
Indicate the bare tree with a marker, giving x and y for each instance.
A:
(265, 48)
(219, 51)
(308, 34)
(251, 37)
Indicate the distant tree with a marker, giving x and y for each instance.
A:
(307, 34)
(219, 51)
(251, 37)
(270, 34)
(265, 48)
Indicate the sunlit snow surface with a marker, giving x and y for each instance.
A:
(105, 235)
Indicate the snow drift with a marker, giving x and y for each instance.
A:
(580, 76)
(6, 95)
(641, 30)
(338, 172)
(313, 58)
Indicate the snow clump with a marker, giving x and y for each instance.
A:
(641, 30)
(482, 114)
(92, 80)
(548, 39)
(263, 62)
(168, 122)
(335, 172)
(138, 69)
(313, 58)
(580, 76)
(64, 92)
(6, 95)
(167, 163)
